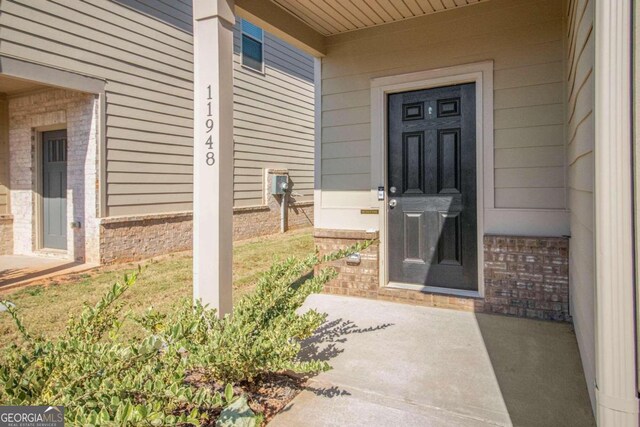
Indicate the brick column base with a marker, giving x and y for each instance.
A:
(6, 234)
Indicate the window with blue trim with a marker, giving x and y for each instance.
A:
(252, 46)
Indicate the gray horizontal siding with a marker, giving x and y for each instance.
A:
(174, 12)
(581, 166)
(143, 50)
(525, 41)
(148, 67)
(273, 120)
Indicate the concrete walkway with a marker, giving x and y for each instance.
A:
(18, 270)
(401, 365)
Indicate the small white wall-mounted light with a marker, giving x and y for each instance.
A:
(354, 259)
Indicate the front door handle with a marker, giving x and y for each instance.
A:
(393, 203)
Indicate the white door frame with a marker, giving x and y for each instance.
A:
(480, 73)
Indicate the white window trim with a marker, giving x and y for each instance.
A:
(480, 73)
(242, 33)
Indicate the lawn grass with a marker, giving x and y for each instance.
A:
(46, 307)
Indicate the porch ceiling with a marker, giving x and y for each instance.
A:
(330, 17)
(11, 86)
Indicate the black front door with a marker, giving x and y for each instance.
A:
(432, 222)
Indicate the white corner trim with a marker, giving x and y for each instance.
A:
(616, 392)
(317, 167)
(480, 73)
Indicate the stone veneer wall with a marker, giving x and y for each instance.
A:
(42, 110)
(524, 276)
(6, 235)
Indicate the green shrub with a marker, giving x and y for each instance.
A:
(265, 331)
(104, 380)
(98, 379)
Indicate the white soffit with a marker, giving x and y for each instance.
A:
(330, 17)
(13, 86)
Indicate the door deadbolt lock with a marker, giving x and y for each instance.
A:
(392, 190)
(393, 203)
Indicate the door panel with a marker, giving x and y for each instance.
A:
(413, 163)
(54, 189)
(432, 177)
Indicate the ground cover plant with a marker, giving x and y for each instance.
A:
(185, 366)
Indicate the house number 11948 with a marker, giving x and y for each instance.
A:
(210, 159)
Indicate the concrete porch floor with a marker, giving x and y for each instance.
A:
(395, 364)
(17, 270)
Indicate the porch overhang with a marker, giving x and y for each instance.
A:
(48, 76)
(314, 21)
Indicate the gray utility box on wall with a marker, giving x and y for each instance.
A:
(279, 184)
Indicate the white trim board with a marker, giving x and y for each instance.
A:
(435, 290)
(615, 335)
(317, 148)
(481, 74)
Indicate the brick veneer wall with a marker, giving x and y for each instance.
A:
(138, 237)
(527, 276)
(132, 238)
(258, 221)
(255, 221)
(300, 215)
(6, 234)
(355, 280)
(524, 276)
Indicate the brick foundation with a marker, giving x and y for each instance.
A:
(138, 237)
(258, 221)
(527, 276)
(524, 276)
(360, 280)
(255, 221)
(6, 234)
(133, 238)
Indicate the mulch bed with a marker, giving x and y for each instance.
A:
(272, 393)
(268, 395)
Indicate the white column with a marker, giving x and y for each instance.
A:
(616, 393)
(213, 153)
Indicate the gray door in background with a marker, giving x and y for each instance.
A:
(54, 189)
